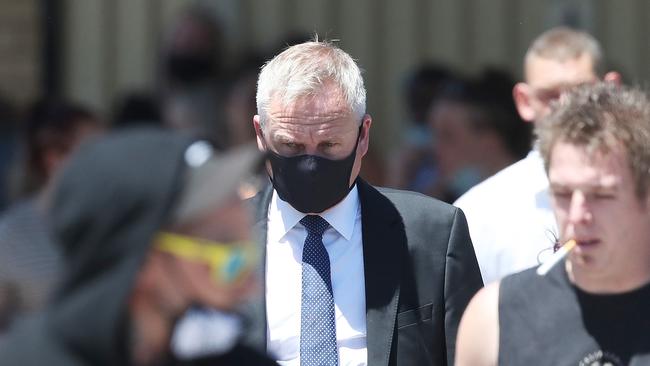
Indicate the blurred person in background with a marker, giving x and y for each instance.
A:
(496, 86)
(194, 50)
(140, 249)
(196, 112)
(136, 109)
(240, 100)
(592, 307)
(509, 214)
(29, 261)
(193, 81)
(8, 147)
(476, 133)
(412, 166)
(52, 130)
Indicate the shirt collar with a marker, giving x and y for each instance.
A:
(342, 217)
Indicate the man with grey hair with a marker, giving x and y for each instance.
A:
(590, 308)
(354, 275)
(509, 214)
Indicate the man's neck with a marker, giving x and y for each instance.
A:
(631, 280)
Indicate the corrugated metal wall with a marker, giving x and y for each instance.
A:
(113, 46)
(20, 50)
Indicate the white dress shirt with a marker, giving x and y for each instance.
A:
(342, 240)
(510, 219)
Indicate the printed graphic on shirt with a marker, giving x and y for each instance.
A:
(601, 358)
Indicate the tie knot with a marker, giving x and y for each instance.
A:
(314, 224)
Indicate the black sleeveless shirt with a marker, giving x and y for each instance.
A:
(548, 321)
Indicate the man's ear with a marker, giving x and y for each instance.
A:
(259, 135)
(522, 95)
(613, 77)
(364, 143)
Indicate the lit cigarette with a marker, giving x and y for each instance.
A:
(556, 257)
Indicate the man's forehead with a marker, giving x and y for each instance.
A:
(310, 113)
(571, 163)
(547, 73)
(325, 102)
(306, 116)
(291, 131)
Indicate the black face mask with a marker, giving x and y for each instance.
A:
(190, 68)
(309, 183)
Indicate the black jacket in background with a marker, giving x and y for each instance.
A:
(113, 197)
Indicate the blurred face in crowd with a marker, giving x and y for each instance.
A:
(186, 259)
(55, 154)
(240, 105)
(319, 124)
(595, 203)
(546, 79)
(457, 143)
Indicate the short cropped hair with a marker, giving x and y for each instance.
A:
(601, 117)
(563, 43)
(303, 69)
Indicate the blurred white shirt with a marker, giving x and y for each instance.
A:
(342, 240)
(510, 218)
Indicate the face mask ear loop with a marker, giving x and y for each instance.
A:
(354, 151)
(359, 135)
(356, 145)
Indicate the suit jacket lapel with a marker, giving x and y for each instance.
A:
(384, 246)
(255, 310)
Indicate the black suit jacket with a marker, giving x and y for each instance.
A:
(420, 273)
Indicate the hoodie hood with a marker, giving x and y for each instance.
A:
(112, 198)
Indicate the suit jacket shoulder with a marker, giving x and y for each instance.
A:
(412, 205)
(428, 223)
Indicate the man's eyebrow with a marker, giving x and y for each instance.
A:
(283, 138)
(590, 186)
(330, 140)
(555, 186)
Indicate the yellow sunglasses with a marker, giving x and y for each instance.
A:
(228, 261)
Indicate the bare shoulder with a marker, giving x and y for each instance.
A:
(478, 333)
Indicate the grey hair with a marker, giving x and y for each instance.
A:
(303, 69)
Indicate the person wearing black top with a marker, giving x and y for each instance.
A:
(591, 308)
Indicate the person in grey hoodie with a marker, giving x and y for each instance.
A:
(150, 225)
